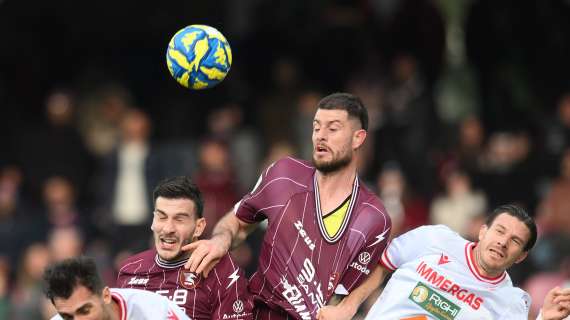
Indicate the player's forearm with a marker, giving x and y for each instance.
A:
(352, 302)
(231, 231)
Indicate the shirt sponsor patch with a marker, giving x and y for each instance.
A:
(433, 302)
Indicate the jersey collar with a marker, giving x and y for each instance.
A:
(122, 305)
(469, 256)
(169, 264)
(320, 217)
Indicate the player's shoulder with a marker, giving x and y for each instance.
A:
(440, 234)
(141, 258)
(129, 294)
(518, 299)
(290, 166)
(369, 201)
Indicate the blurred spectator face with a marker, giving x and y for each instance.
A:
(565, 165)
(458, 183)
(308, 102)
(58, 193)
(214, 156)
(65, 243)
(404, 67)
(10, 180)
(226, 119)
(135, 126)
(502, 148)
(277, 151)
(471, 132)
(285, 73)
(502, 243)
(59, 109)
(564, 110)
(391, 182)
(4, 276)
(35, 260)
(175, 225)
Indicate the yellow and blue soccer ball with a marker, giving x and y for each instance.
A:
(198, 57)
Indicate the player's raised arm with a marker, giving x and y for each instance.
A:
(229, 231)
(348, 307)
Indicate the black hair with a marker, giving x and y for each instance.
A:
(346, 101)
(180, 187)
(519, 213)
(61, 279)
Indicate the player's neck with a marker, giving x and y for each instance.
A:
(335, 186)
(482, 267)
(115, 312)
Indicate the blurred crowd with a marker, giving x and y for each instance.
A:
(460, 123)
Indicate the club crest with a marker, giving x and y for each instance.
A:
(189, 280)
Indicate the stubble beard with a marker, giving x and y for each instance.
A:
(332, 165)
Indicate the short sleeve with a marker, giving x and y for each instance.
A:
(411, 245)
(519, 308)
(270, 193)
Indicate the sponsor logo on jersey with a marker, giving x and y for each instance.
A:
(441, 282)
(433, 302)
(364, 257)
(443, 259)
(189, 280)
(238, 306)
(134, 281)
(299, 226)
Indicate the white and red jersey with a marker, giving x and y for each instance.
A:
(436, 278)
(137, 304)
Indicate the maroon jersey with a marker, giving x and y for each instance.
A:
(300, 265)
(223, 295)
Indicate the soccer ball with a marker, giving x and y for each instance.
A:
(198, 57)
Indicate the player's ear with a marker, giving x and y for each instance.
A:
(200, 226)
(482, 231)
(106, 295)
(358, 138)
(523, 255)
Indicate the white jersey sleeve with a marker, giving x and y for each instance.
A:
(519, 308)
(412, 245)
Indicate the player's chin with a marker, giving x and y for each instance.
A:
(169, 255)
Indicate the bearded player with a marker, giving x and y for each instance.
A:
(178, 221)
(439, 275)
(324, 227)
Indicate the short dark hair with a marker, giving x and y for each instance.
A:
(62, 278)
(519, 213)
(180, 187)
(349, 102)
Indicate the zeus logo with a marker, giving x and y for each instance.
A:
(138, 281)
(234, 277)
(379, 238)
